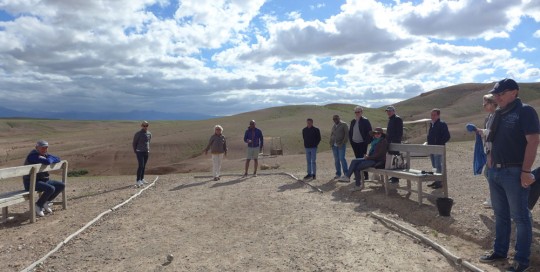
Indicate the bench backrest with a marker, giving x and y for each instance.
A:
(420, 150)
(20, 171)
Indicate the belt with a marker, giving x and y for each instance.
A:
(506, 165)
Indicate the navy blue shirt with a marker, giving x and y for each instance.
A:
(438, 133)
(509, 142)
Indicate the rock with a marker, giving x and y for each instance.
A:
(170, 258)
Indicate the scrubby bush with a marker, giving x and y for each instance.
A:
(77, 173)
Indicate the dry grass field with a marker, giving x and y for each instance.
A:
(267, 223)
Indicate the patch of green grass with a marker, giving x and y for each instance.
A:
(77, 173)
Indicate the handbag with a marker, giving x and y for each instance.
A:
(395, 162)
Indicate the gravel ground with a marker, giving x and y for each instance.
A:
(265, 223)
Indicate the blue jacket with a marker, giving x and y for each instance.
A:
(394, 129)
(33, 158)
(255, 136)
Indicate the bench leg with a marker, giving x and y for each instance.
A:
(420, 193)
(385, 183)
(4, 214)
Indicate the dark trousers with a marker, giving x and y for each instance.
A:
(142, 159)
(51, 189)
(360, 149)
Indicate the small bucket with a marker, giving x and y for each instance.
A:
(444, 205)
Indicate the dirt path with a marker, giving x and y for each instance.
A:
(267, 223)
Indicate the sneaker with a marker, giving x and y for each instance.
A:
(344, 179)
(216, 178)
(308, 176)
(492, 257)
(336, 177)
(139, 184)
(144, 181)
(254, 174)
(355, 189)
(39, 211)
(244, 175)
(47, 207)
(517, 267)
(487, 203)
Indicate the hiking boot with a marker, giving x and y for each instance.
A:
(437, 185)
(489, 258)
(313, 177)
(517, 267)
(39, 211)
(393, 180)
(216, 178)
(308, 176)
(47, 207)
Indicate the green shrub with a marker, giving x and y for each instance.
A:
(77, 173)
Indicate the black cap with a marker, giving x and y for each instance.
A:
(503, 85)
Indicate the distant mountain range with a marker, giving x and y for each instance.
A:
(132, 115)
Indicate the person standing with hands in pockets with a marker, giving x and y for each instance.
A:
(141, 147)
(218, 147)
(254, 138)
(514, 138)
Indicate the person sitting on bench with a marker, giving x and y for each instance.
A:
(50, 188)
(376, 155)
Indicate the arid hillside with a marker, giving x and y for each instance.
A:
(104, 147)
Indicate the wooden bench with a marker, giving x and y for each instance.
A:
(10, 198)
(409, 174)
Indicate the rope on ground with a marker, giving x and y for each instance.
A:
(421, 237)
(36, 263)
(305, 183)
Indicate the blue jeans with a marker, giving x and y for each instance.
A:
(311, 158)
(339, 158)
(142, 159)
(436, 162)
(51, 189)
(358, 165)
(509, 200)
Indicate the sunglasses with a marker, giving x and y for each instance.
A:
(376, 133)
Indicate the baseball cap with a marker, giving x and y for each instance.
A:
(390, 108)
(503, 85)
(42, 143)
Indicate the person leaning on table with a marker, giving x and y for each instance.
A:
(50, 188)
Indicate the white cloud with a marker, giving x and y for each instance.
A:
(227, 55)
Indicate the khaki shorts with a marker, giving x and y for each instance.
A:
(253, 153)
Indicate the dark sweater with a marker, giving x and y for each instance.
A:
(312, 137)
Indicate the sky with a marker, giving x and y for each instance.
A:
(222, 57)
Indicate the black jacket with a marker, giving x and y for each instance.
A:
(364, 126)
(394, 130)
(312, 137)
(438, 133)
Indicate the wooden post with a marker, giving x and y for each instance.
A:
(32, 191)
(64, 180)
